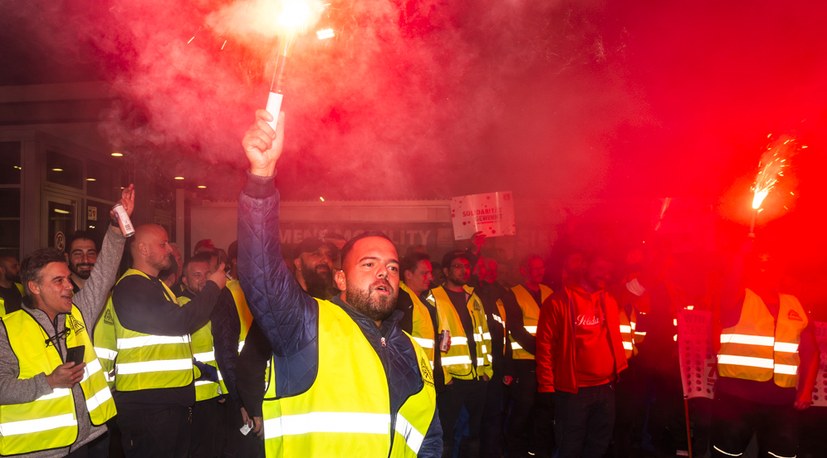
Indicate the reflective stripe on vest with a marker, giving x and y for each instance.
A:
(105, 342)
(203, 350)
(531, 314)
(759, 348)
(627, 333)
(422, 325)
(456, 362)
(148, 361)
(49, 422)
(346, 410)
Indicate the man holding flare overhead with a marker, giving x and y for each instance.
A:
(347, 380)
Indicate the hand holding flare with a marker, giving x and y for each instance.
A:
(294, 17)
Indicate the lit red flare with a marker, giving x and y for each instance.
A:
(296, 16)
(771, 168)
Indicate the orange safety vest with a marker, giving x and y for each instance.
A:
(760, 348)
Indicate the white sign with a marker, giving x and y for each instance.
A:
(698, 362)
(491, 213)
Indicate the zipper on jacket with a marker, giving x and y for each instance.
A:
(383, 360)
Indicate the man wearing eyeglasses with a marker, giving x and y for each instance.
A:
(467, 360)
(54, 399)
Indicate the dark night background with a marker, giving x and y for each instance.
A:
(589, 107)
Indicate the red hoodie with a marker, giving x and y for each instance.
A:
(556, 347)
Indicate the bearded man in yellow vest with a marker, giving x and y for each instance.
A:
(346, 380)
(467, 361)
(523, 311)
(767, 364)
(154, 371)
(50, 405)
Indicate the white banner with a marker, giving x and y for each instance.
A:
(492, 213)
(697, 359)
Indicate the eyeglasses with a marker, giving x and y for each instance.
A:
(55, 339)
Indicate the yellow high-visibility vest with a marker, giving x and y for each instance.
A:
(106, 342)
(759, 348)
(2, 302)
(531, 314)
(203, 350)
(456, 362)
(627, 333)
(50, 421)
(245, 317)
(422, 329)
(148, 361)
(346, 412)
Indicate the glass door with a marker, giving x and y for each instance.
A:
(62, 219)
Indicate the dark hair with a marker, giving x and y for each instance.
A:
(527, 260)
(232, 251)
(203, 256)
(8, 254)
(80, 235)
(409, 262)
(32, 265)
(349, 245)
(451, 255)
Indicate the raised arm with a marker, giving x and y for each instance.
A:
(92, 297)
(142, 306)
(286, 313)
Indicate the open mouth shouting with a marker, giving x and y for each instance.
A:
(383, 287)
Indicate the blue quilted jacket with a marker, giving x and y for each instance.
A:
(289, 317)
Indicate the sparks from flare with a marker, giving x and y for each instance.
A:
(770, 170)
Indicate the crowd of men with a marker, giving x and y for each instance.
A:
(349, 349)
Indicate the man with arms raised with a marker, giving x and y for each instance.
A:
(51, 405)
(348, 381)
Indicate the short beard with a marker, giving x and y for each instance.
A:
(319, 284)
(375, 309)
(84, 275)
(163, 264)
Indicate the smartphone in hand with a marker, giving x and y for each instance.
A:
(75, 354)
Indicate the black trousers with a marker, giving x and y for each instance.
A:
(156, 432)
(208, 434)
(583, 422)
(240, 445)
(493, 418)
(522, 430)
(462, 393)
(813, 439)
(735, 420)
